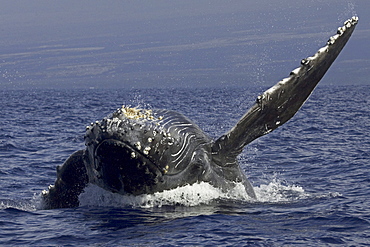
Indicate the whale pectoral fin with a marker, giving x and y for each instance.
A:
(279, 103)
(70, 183)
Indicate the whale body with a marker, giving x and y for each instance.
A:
(138, 151)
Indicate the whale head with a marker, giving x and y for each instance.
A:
(140, 151)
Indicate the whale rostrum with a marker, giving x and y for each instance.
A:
(138, 151)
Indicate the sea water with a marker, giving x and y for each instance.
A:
(311, 176)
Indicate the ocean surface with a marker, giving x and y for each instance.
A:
(311, 176)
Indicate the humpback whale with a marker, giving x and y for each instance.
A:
(138, 151)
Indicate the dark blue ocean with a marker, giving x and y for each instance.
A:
(311, 176)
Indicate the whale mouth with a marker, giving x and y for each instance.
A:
(124, 169)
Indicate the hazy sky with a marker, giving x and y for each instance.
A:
(125, 44)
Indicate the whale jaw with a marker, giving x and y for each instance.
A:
(122, 169)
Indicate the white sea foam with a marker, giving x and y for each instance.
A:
(23, 205)
(276, 191)
(193, 195)
(189, 195)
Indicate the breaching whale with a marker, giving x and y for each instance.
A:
(137, 151)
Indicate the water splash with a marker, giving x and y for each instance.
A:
(348, 12)
(193, 195)
(276, 191)
(23, 205)
(189, 195)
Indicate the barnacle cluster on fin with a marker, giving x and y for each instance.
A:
(347, 24)
(306, 62)
(308, 74)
